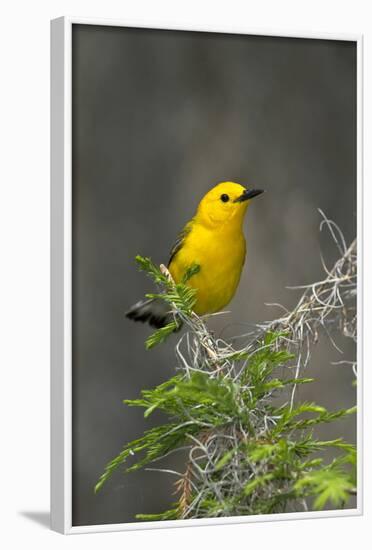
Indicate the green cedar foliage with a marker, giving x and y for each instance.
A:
(251, 449)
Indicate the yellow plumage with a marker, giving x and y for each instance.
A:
(214, 240)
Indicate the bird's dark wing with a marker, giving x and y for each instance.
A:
(179, 241)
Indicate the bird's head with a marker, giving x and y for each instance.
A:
(225, 202)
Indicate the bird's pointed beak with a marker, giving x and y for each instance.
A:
(249, 194)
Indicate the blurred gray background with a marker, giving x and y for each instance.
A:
(159, 117)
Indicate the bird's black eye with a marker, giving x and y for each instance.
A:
(225, 198)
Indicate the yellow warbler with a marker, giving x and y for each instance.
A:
(213, 240)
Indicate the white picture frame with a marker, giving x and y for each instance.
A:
(61, 287)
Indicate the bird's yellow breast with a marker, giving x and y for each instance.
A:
(220, 253)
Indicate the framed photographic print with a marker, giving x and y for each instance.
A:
(206, 281)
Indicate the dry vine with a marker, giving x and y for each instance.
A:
(328, 305)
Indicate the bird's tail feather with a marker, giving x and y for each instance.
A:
(154, 311)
